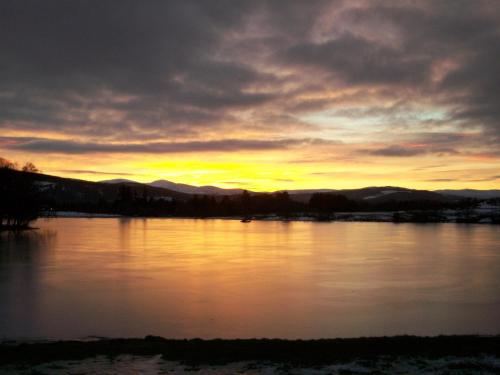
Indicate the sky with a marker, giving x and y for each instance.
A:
(261, 95)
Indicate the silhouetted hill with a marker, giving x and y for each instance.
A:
(68, 190)
(189, 189)
(182, 188)
(130, 198)
(377, 195)
(471, 193)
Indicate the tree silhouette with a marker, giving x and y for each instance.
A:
(19, 198)
(7, 164)
(30, 167)
(328, 203)
(245, 202)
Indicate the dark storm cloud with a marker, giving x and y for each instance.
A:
(41, 145)
(443, 49)
(436, 143)
(130, 46)
(397, 151)
(470, 32)
(402, 151)
(58, 57)
(167, 70)
(355, 60)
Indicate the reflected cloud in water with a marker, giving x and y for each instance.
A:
(221, 278)
(23, 257)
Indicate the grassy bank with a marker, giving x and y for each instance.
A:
(296, 352)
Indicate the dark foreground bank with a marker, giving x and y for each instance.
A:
(294, 352)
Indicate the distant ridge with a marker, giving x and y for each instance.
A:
(373, 194)
(119, 181)
(181, 188)
(130, 198)
(471, 193)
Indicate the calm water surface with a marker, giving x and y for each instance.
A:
(221, 278)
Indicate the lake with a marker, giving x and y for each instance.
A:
(184, 278)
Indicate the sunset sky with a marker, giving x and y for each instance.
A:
(262, 95)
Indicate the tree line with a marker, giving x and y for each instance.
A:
(130, 201)
(19, 197)
(21, 201)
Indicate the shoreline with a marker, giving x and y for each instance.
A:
(362, 216)
(223, 351)
(14, 229)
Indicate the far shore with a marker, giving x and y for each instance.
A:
(445, 216)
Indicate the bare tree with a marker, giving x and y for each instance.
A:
(19, 196)
(30, 167)
(7, 164)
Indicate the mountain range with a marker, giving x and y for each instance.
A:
(471, 193)
(373, 194)
(73, 191)
(181, 188)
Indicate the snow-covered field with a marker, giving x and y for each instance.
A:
(127, 364)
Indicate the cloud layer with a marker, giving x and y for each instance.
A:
(388, 78)
(42, 145)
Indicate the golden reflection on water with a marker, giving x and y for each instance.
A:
(221, 278)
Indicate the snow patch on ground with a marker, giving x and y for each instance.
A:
(44, 185)
(382, 193)
(127, 364)
(162, 198)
